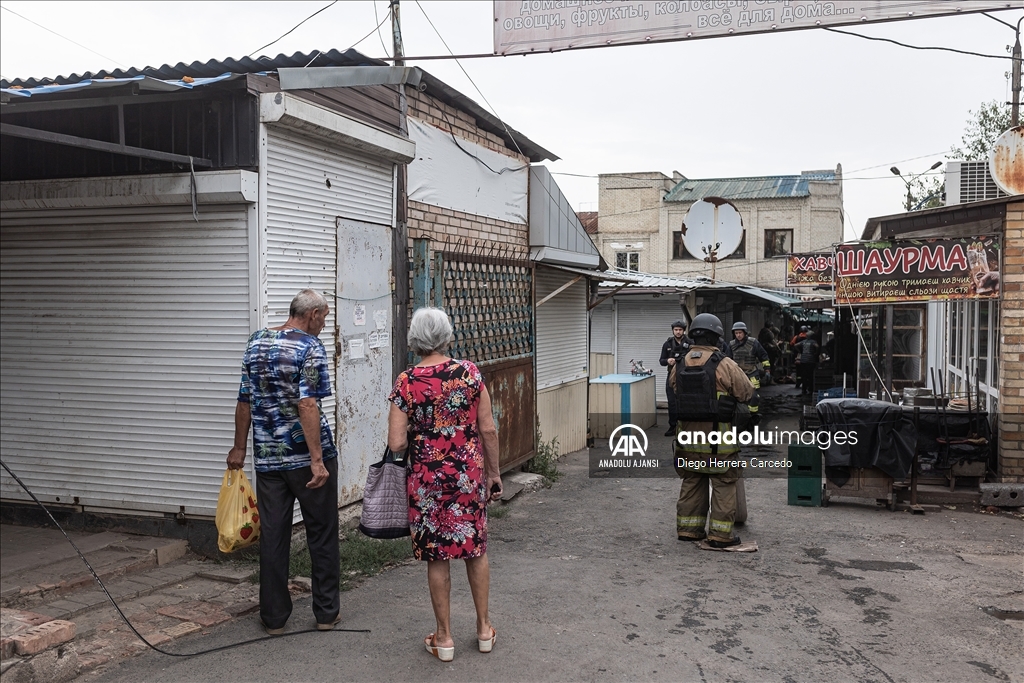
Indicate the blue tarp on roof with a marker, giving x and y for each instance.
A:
(757, 187)
(144, 83)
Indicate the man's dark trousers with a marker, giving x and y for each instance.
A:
(670, 398)
(807, 376)
(276, 493)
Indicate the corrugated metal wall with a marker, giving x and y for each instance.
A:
(602, 328)
(121, 335)
(562, 414)
(310, 185)
(561, 329)
(644, 323)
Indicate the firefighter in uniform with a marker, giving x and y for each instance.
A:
(699, 461)
(753, 361)
(672, 352)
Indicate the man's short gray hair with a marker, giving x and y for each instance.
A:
(306, 302)
(429, 331)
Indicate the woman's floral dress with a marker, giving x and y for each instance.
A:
(447, 487)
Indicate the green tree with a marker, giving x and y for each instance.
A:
(983, 128)
(926, 193)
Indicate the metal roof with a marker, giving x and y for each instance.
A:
(753, 187)
(246, 65)
(141, 83)
(648, 281)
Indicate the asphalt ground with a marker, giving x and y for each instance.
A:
(590, 584)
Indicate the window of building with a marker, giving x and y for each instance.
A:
(778, 243)
(972, 363)
(679, 249)
(627, 260)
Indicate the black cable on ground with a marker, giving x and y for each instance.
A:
(122, 615)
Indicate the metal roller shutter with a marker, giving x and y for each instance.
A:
(602, 330)
(319, 196)
(561, 329)
(121, 334)
(643, 326)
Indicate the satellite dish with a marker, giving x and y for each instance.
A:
(1006, 161)
(712, 229)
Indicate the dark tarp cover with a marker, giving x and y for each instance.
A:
(886, 436)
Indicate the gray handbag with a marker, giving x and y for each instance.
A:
(385, 500)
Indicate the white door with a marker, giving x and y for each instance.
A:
(644, 323)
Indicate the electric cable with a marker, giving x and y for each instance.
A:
(62, 36)
(379, 24)
(451, 131)
(914, 47)
(117, 608)
(482, 96)
(328, 6)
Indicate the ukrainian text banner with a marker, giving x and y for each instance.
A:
(524, 26)
(809, 270)
(918, 270)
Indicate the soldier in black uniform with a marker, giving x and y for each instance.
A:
(672, 350)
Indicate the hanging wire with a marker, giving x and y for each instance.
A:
(328, 6)
(482, 96)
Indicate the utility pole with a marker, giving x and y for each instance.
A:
(396, 34)
(400, 235)
(1015, 81)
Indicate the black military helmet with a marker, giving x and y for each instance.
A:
(739, 326)
(706, 322)
(678, 323)
(805, 328)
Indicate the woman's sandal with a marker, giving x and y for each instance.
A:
(445, 654)
(488, 644)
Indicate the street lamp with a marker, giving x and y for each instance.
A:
(910, 181)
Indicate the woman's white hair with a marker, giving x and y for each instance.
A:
(429, 331)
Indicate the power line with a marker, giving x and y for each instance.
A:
(482, 96)
(379, 24)
(914, 47)
(63, 36)
(328, 6)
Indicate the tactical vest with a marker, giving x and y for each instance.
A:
(697, 392)
(743, 354)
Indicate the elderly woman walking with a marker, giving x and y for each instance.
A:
(441, 413)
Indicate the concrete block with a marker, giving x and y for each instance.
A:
(225, 573)
(529, 481)
(43, 637)
(1002, 495)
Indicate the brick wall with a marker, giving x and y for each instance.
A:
(1011, 355)
(441, 224)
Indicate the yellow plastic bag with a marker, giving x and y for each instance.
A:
(238, 519)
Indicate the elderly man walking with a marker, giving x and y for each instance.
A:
(284, 376)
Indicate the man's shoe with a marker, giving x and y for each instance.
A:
(271, 631)
(724, 544)
(671, 431)
(695, 539)
(331, 625)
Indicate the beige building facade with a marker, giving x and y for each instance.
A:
(641, 219)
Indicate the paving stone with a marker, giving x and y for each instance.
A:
(237, 609)
(91, 661)
(226, 574)
(202, 613)
(128, 589)
(91, 598)
(182, 629)
(156, 638)
(9, 590)
(50, 610)
(43, 637)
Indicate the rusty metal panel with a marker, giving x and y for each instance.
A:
(510, 383)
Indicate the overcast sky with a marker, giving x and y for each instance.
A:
(722, 107)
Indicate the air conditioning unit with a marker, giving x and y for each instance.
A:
(969, 181)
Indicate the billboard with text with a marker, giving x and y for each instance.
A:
(524, 26)
(918, 270)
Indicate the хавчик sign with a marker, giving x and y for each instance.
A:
(917, 270)
(808, 270)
